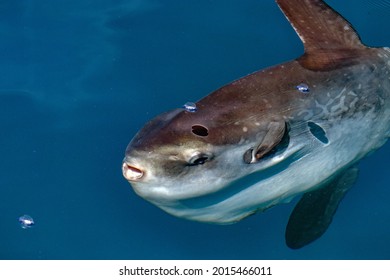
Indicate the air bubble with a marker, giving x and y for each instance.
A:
(190, 107)
(26, 221)
(302, 87)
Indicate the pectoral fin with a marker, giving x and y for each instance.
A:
(274, 136)
(314, 212)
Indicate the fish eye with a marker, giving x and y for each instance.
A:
(199, 159)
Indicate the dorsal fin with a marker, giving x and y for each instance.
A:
(328, 38)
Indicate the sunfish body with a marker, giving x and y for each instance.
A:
(298, 128)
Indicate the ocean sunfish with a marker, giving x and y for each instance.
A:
(298, 128)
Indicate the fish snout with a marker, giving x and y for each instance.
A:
(131, 172)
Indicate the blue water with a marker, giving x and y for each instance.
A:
(78, 78)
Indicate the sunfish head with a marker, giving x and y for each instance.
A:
(208, 165)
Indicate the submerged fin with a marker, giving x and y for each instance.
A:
(313, 214)
(329, 40)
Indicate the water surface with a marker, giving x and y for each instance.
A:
(78, 78)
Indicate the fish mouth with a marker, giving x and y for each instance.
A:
(132, 173)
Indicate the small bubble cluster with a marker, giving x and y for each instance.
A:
(26, 221)
(190, 107)
(302, 87)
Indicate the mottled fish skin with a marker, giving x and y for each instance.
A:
(251, 145)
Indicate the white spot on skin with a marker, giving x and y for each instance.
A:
(245, 129)
(340, 107)
(353, 103)
(174, 158)
(354, 94)
(257, 123)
